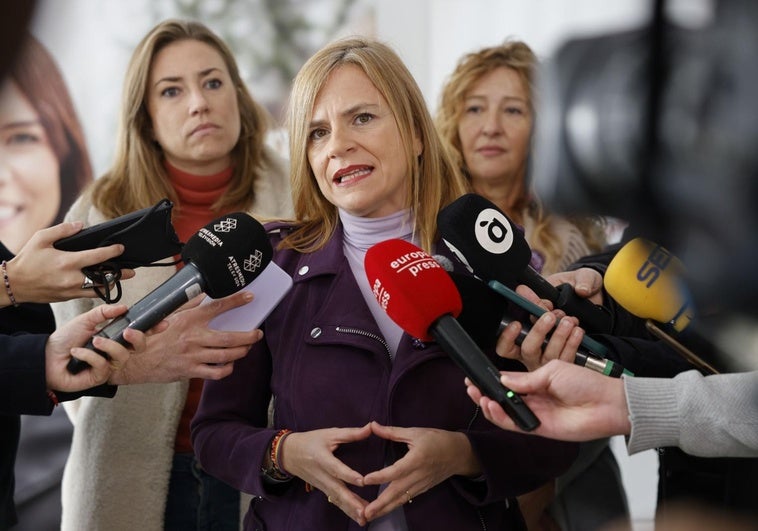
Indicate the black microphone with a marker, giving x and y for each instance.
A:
(484, 239)
(486, 313)
(419, 296)
(220, 259)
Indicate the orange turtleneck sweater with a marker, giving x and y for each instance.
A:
(196, 196)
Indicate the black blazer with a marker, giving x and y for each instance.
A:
(23, 334)
(22, 384)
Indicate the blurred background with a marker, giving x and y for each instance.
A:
(92, 39)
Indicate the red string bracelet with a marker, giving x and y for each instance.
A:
(53, 397)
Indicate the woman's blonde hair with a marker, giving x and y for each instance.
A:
(515, 55)
(138, 177)
(520, 58)
(434, 179)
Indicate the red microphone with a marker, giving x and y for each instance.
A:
(421, 298)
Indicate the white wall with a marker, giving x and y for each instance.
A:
(432, 34)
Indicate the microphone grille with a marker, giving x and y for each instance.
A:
(230, 252)
(484, 239)
(444, 261)
(648, 281)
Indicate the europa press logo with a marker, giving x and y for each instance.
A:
(493, 231)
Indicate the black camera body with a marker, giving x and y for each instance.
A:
(659, 127)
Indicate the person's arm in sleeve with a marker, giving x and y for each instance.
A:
(229, 432)
(22, 375)
(33, 367)
(708, 416)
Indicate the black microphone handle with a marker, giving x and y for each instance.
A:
(583, 357)
(480, 370)
(539, 284)
(185, 284)
(594, 318)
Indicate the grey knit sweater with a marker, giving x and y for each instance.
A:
(708, 416)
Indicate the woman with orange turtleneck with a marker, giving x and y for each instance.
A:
(191, 132)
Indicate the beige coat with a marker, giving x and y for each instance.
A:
(117, 474)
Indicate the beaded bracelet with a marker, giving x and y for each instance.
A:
(275, 472)
(277, 454)
(7, 282)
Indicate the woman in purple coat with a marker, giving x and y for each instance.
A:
(370, 426)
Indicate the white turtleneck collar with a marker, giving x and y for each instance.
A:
(359, 235)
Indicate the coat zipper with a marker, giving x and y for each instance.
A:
(356, 331)
(481, 520)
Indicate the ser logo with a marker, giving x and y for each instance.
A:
(658, 260)
(493, 231)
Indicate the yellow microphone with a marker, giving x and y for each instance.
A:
(647, 280)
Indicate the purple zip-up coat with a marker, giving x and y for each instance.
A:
(325, 363)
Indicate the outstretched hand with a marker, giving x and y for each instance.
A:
(189, 349)
(554, 335)
(551, 337)
(66, 342)
(41, 273)
(572, 403)
(585, 281)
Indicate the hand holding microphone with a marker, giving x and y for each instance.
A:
(222, 258)
(487, 318)
(586, 282)
(420, 297)
(488, 243)
(572, 404)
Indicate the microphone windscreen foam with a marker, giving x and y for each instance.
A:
(410, 286)
(483, 309)
(484, 239)
(648, 281)
(230, 252)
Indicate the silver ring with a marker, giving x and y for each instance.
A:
(88, 283)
